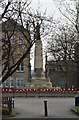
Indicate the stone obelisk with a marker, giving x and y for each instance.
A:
(38, 78)
(38, 61)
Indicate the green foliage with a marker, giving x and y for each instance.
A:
(77, 109)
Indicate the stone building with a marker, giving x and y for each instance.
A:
(63, 73)
(59, 75)
(20, 78)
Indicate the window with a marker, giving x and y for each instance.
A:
(22, 82)
(12, 82)
(19, 82)
(21, 67)
(6, 83)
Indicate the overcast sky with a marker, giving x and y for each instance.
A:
(48, 5)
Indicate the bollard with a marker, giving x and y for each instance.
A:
(45, 108)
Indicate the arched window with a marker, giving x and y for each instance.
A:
(20, 68)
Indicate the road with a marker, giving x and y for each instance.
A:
(34, 107)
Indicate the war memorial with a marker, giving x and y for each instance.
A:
(39, 79)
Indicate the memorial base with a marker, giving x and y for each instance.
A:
(41, 83)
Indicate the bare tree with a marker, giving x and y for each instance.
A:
(61, 47)
(62, 42)
(70, 10)
(19, 17)
(10, 47)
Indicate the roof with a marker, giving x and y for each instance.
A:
(11, 25)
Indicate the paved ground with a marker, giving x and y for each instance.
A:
(40, 119)
(34, 108)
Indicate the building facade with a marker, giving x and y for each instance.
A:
(62, 73)
(65, 73)
(19, 44)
